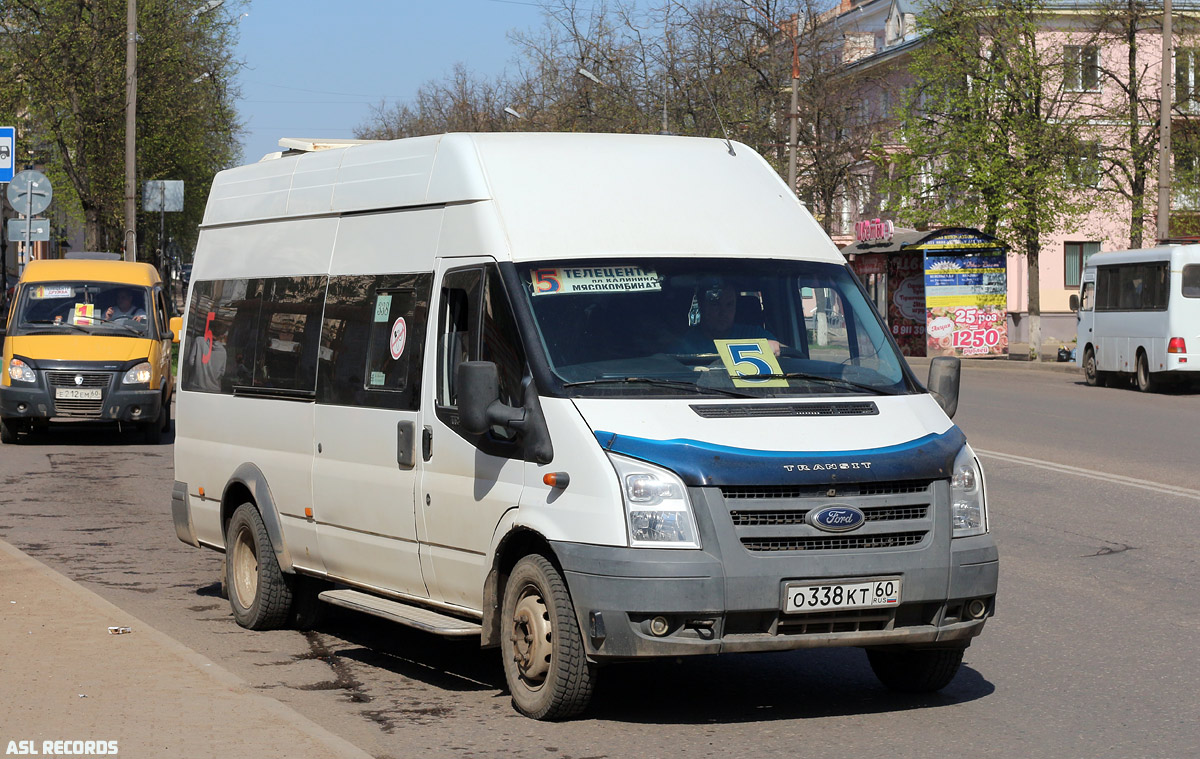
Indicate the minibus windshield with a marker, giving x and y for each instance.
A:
(109, 308)
(698, 326)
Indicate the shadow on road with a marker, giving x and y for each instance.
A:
(79, 435)
(1183, 388)
(695, 690)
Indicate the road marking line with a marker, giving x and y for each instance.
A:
(1157, 487)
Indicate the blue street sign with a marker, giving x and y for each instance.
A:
(8, 153)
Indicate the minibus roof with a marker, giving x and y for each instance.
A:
(555, 195)
(90, 270)
(1177, 255)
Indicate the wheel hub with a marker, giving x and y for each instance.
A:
(245, 569)
(531, 636)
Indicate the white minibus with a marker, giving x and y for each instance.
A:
(1137, 312)
(561, 393)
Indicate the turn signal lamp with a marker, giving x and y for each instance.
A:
(1177, 345)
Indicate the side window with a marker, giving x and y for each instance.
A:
(160, 307)
(221, 335)
(1087, 302)
(458, 329)
(1191, 281)
(476, 323)
(373, 340)
(286, 357)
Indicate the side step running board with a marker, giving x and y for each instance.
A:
(406, 614)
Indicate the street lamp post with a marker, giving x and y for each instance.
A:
(1167, 95)
(131, 130)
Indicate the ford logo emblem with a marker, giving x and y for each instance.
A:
(836, 518)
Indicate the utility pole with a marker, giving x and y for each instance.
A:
(130, 130)
(1167, 96)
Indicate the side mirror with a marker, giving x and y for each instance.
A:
(1074, 302)
(176, 328)
(480, 408)
(944, 375)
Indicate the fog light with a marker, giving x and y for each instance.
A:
(976, 609)
(135, 411)
(21, 407)
(659, 626)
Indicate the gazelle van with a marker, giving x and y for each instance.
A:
(562, 393)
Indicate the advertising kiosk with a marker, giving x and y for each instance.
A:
(943, 292)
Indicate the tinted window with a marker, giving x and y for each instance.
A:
(290, 326)
(221, 335)
(363, 360)
(1191, 281)
(1133, 287)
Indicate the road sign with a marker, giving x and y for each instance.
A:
(8, 151)
(28, 230)
(163, 195)
(29, 192)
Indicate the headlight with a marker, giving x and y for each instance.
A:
(658, 513)
(968, 501)
(19, 371)
(138, 375)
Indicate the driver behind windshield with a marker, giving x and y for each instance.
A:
(125, 310)
(718, 321)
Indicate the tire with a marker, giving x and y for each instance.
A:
(152, 432)
(1090, 375)
(8, 432)
(915, 670)
(1146, 382)
(259, 593)
(545, 665)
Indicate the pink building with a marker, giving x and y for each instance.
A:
(879, 38)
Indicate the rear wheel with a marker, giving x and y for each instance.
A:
(1146, 382)
(545, 665)
(915, 670)
(259, 594)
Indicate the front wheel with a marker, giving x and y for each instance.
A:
(915, 670)
(259, 594)
(8, 432)
(1090, 374)
(545, 665)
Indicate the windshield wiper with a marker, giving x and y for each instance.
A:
(823, 378)
(56, 324)
(660, 382)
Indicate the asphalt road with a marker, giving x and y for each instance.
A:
(1092, 492)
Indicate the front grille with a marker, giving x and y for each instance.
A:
(67, 379)
(754, 410)
(854, 620)
(884, 514)
(772, 518)
(748, 492)
(78, 408)
(836, 542)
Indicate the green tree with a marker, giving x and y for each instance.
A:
(66, 93)
(987, 127)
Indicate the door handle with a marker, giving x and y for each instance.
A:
(406, 448)
(427, 443)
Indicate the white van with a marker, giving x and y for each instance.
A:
(1137, 311)
(559, 392)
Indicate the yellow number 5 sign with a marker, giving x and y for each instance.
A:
(747, 359)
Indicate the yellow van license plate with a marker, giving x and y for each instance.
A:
(849, 595)
(77, 393)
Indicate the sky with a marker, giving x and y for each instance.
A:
(313, 69)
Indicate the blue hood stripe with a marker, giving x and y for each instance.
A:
(700, 463)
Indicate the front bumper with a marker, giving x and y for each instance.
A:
(726, 598)
(110, 401)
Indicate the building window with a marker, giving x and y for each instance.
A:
(1075, 255)
(1081, 68)
(1187, 86)
(1083, 164)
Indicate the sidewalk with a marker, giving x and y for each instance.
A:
(65, 678)
(1017, 358)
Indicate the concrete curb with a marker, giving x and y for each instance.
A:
(330, 745)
